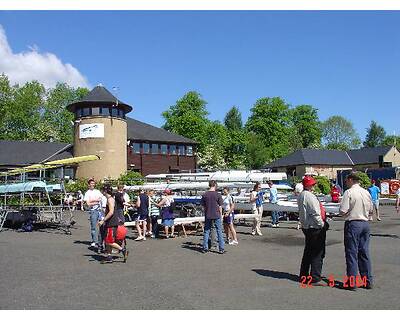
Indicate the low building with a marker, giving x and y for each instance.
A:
(372, 158)
(328, 162)
(312, 161)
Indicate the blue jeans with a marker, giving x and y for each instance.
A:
(94, 216)
(207, 227)
(356, 245)
(275, 217)
(154, 225)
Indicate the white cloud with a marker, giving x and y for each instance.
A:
(45, 67)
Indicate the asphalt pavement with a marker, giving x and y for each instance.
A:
(47, 269)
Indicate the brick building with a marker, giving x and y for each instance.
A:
(102, 128)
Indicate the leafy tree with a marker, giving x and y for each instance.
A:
(257, 154)
(216, 134)
(233, 119)
(391, 140)
(270, 120)
(235, 150)
(56, 115)
(375, 135)
(23, 111)
(236, 144)
(32, 113)
(306, 123)
(339, 133)
(188, 117)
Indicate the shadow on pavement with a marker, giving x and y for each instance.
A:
(192, 246)
(384, 235)
(95, 257)
(277, 274)
(86, 243)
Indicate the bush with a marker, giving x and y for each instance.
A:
(130, 178)
(76, 185)
(365, 181)
(323, 185)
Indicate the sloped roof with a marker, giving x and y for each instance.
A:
(313, 157)
(368, 155)
(138, 130)
(99, 96)
(21, 153)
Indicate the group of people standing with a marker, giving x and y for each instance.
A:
(149, 208)
(356, 207)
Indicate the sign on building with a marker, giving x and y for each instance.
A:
(91, 130)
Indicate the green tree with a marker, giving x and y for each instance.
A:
(233, 120)
(257, 155)
(270, 121)
(24, 111)
(32, 113)
(339, 133)
(306, 123)
(188, 117)
(392, 140)
(56, 115)
(236, 144)
(6, 97)
(375, 135)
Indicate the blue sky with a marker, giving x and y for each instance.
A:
(345, 63)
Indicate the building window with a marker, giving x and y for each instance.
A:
(172, 149)
(105, 111)
(164, 149)
(114, 112)
(154, 148)
(78, 112)
(86, 112)
(189, 151)
(181, 150)
(95, 111)
(146, 148)
(136, 147)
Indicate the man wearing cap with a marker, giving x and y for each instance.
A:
(374, 191)
(315, 234)
(356, 206)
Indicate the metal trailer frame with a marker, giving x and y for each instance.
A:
(49, 214)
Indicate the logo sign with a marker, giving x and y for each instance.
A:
(91, 130)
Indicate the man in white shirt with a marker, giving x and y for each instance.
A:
(398, 201)
(92, 199)
(355, 207)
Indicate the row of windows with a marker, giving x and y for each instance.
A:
(100, 111)
(155, 148)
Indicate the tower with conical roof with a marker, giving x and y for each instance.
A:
(101, 129)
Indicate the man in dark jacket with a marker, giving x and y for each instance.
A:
(212, 203)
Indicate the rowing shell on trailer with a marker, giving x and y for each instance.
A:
(199, 186)
(287, 206)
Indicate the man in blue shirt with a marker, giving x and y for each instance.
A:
(273, 198)
(374, 191)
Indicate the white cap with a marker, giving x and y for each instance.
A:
(298, 188)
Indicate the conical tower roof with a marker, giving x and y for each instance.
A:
(99, 96)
